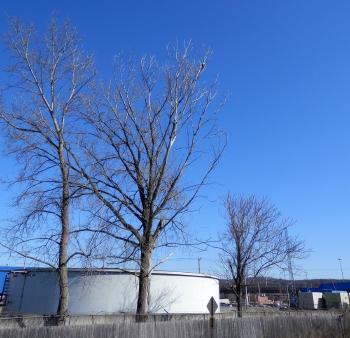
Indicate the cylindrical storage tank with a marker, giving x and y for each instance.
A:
(108, 291)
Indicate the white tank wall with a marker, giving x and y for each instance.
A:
(37, 293)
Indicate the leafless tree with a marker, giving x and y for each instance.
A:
(255, 240)
(149, 149)
(48, 75)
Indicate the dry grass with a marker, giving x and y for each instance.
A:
(317, 325)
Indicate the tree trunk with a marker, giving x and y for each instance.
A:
(144, 283)
(62, 310)
(239, 300)
(239, 293)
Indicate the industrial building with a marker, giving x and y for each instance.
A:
(336, 299)
(326, 296)
(311, 300)
(108, 291)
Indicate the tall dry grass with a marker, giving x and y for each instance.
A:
(319, 325)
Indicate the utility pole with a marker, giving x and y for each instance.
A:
(306, 279)
(341, 268)
(199, 264)
(25, 259)
(292, 295)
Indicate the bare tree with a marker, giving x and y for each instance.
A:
(150, 147)
(255, 240)
(48, 76)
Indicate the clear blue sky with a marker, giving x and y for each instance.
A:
(287, 67)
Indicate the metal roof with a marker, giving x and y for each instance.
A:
(329, 287)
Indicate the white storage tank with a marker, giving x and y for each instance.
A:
(310, 300)
(107, 291)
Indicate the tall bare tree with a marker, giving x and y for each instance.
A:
(255, 240)
(48, 76)
(150, 147)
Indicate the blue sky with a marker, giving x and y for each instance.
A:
(286, 65)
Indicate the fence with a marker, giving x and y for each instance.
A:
(317, 325)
